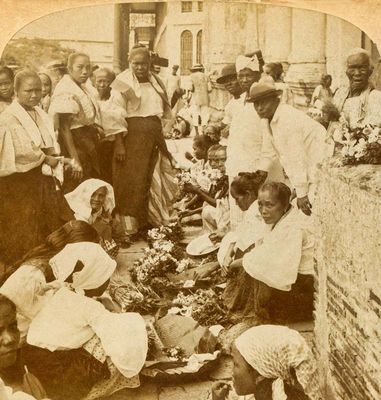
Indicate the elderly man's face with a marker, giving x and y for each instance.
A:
(358, 71)
(246, 77)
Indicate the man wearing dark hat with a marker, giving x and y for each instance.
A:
(200, 88)
(228, 78)
(296, 139)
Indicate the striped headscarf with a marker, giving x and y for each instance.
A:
(273, 351)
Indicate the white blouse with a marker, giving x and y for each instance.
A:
(151, 104)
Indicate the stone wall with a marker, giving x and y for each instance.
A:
(348, 301)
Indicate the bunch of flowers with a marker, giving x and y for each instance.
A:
(156, 262)
(205, 306)
(175, 352)
(208, 177)
(361, 145)
(172, 232)
(182, 178)
(131, 299)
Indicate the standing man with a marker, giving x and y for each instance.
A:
(245, 145)
(228, 78)
(200, 88)
(173, 88)
(297, 139)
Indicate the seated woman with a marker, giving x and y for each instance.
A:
(93, 201)
(11, 371)
(282, 261)
(190, 202)
(201, 144)
(242, 296)
(214, 195)
(72, 319)
(272, 362)
(214, 132)
(26, 279)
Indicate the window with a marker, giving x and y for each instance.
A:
(186, 6)
(186, 52)
(199, 47)
(200, 6)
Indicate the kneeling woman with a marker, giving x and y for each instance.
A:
(281, 262)
(244, 296)
(283, 259)
(72, 319)
(272, 362)
(93, 201)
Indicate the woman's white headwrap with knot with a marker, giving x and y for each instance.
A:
(273, 351)
(251, 62)
(79, 198)
(98, 265)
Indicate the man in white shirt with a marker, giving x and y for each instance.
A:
(201, 87)
(245, 152)
(228, 78)
(296, 139)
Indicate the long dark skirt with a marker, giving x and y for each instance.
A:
(132, 178)
(30, 209)
(295, 305)
(66, 374)
(106, 154)
(246, 298)
(86, 141)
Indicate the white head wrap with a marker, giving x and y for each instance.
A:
(243, 62)
(98, 266)
(79, 198)
(272, 351)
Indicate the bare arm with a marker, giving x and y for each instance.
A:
(67, 137)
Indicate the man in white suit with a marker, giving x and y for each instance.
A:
(296, 139)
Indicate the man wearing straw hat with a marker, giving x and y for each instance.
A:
(200, 88)
(297, 139)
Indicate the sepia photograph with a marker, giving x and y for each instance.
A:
(190, 200)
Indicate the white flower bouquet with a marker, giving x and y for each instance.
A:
(361, 145)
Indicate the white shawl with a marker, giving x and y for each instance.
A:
(70, 98)
(284, 251)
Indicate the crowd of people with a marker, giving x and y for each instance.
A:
(85, 169)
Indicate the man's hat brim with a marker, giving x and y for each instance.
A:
(226, 78)
(264, 95)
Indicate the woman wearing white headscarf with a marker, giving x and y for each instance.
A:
(245, 145)
(71, 319)
(93, 201)
(274, 363)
